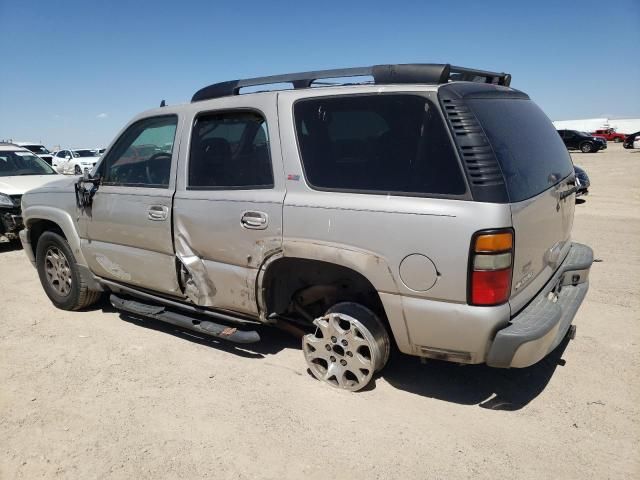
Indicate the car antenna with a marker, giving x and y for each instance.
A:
(163, 104)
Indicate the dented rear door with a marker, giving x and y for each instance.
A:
(227, 213)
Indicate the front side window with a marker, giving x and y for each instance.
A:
(230, 150)
(396, 144)
(142, 155)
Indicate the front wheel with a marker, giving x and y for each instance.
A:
(617, 140)
(349, 346)
(586, 147)
(59, 274)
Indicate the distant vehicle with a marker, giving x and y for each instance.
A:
(20, 170)
(38, 149)
(575, 140)
(628, 142)
(582, 181)
(75, 161)
(610, 135)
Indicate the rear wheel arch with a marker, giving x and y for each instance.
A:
(282, 278)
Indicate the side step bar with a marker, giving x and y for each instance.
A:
(159, 312)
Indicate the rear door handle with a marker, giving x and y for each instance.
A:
(158, 213)
(254, 220)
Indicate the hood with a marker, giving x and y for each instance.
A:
(20, 184)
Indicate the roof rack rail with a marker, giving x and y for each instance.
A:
(430, 73)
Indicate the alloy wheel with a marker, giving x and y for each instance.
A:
(342, 352)
(58, 271)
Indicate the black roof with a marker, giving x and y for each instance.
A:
(429, 73)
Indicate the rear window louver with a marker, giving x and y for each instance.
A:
(476, 152)
(483, 171)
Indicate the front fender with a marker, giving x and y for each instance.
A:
(34, 213)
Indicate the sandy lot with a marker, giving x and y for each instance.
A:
(96, 395)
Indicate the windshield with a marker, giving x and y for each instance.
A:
(531, 154)
(37, 149)
(84, 153)
(14, 163)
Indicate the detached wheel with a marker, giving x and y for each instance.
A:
(349, 346)
(59, 274)
(586, 147)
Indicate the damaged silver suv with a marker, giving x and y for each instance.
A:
(394, 206)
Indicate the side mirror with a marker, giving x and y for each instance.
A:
(68, 157)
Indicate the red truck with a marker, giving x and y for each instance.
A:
(610, 135)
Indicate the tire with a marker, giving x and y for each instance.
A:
(617, 140)
(59, 274)
(77, 170)
(586, 147)
(348, 347)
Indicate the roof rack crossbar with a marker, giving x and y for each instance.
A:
(382, 74)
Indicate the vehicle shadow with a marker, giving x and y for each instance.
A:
(10, 246)
(490, 388)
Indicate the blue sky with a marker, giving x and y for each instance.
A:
(74, 72)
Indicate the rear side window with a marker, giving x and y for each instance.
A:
(230, 150)
(393, 144)
(531, 154)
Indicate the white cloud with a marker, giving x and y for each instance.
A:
(102, 115)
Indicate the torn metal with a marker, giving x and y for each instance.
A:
(194, 279)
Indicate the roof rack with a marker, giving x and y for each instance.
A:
(430, 73)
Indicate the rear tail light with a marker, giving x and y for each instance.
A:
(490, 267)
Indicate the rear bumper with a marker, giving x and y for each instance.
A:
(543, 323)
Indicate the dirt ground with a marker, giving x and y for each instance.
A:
(95, 394)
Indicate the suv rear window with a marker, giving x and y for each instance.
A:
(393, 143)
(531, 154)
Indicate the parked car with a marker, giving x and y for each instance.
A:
(610, 135)
(582, 181)
(575, 140)
(410, 212)
(39, 150)
(628, 142)
(20, 170)
(76, 161)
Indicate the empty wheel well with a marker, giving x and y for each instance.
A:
(305, 289)
(38, 227)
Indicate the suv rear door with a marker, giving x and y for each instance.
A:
(537, 169)
(228, 204)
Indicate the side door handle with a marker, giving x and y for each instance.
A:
(254, 220)
(158, 213)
